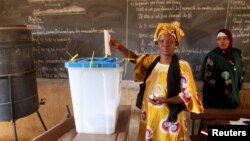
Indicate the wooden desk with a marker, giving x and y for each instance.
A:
(67, 128)
(220, 114)
(199, 138)
(227, 114)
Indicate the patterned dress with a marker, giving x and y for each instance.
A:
(219, 74)
(153, 125)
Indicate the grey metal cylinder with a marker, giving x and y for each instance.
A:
(18, 86)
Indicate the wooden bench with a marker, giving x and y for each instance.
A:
(219, 114)
(67, 128)
(57, 131)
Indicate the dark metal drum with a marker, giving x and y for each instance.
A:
(18, 86)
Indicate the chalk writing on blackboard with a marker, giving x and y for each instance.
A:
(200, 21)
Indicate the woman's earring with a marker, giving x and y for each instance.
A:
(156, 43)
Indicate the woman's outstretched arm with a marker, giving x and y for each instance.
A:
(125, 52)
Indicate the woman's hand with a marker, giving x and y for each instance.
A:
(115, 44)
(125, 52)
(157, 100)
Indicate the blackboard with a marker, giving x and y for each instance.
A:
(76, 26)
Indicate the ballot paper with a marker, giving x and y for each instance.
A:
(107, 38)
(241, 121)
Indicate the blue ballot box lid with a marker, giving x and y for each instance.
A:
(95, 62)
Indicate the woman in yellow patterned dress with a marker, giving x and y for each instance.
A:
(170, 88)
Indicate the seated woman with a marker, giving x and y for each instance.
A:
(222, 73)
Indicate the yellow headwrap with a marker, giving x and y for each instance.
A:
(172, 28)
